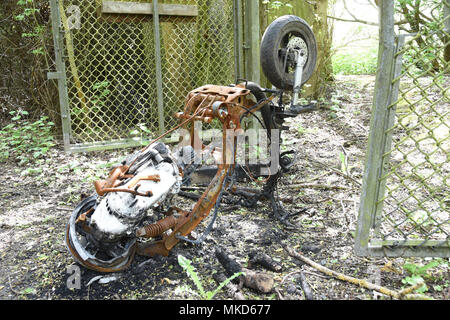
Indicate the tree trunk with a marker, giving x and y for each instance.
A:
(316, 16)
(324, 72)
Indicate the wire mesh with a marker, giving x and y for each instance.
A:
(110, 63)
(414, 210)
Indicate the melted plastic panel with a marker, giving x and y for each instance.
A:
(119, 212)
(109, 232)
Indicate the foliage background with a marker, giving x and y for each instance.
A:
(26, 47)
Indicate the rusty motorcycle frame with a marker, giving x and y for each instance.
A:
(226, 104)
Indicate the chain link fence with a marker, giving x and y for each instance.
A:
(125, 70)
(406, 194)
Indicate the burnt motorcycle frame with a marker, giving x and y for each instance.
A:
(228, 105)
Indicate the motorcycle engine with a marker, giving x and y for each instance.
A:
(108, 235)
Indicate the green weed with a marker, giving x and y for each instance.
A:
(419, 273)
(355, 63)
(185, 263)
(24, 140)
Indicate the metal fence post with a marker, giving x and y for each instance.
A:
(238, 57)
(159, 89)
(60, 73)
(370, 192)
(252, 41)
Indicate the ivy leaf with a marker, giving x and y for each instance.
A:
(29, 291)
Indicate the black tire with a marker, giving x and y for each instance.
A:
(92, 263)
(276, 37)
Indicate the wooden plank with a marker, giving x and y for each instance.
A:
(371, 192)
(117, 144)
(159, 94)
(252, 34)
(147, 8)
(58, 42)
(409, 248)
(409, 243)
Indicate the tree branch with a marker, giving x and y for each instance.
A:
(355, 20)
(403, 294)
(350, 13)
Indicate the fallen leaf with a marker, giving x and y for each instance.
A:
(388, 267)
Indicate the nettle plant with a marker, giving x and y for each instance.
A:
(24, 140)
(420, 273)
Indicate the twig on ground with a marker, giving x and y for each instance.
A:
(319, 201)
(313, 178)
(316, 275)
(409, 290)
(336, 171)
(280, 296)
(303, 283)
(317, 186)
(264, 260)
(356, 281)
(305, 286)
(288, 275)
(10, 286)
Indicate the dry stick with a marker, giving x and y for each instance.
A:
(362, 283)
(305, 286)
(336, 171)
(10, 286)
(316, 275)
(407, 292)
(303, 283)
(313, 178)
(319, 201)
(317, 186)
(280, 296)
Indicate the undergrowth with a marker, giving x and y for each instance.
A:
(25, 141)
(355, 63)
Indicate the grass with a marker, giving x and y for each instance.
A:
(355, 62)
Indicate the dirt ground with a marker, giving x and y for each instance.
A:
(36, 207)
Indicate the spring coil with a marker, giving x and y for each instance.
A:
(157, 228)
